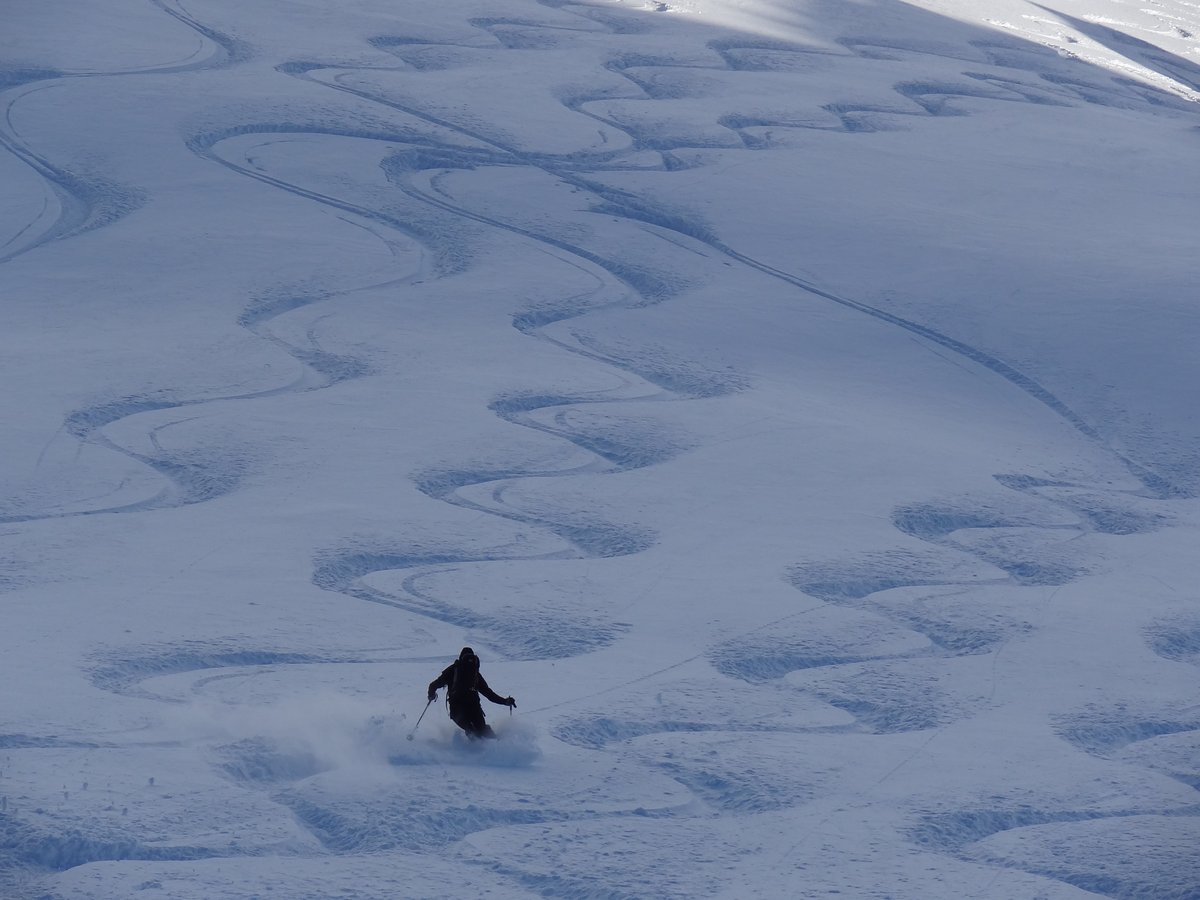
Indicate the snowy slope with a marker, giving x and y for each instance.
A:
(793, 402)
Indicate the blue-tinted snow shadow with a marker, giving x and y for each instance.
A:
(88, 200)
(1104, 732)
(1176, 639)
(91, 200)
(1094, 851)
(192, 475)
(121, 672)
(514, 633)
(36, 848)
(195, 475)
(403, 812)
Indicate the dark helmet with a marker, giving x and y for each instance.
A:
(466, 652)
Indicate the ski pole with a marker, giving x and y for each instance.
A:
(419, 718)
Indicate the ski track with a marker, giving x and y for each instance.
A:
(84, 201)
(88, 201)
(1013, 534)
(122, 673)
(917, 708)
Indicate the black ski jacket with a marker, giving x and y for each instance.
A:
(468, 685)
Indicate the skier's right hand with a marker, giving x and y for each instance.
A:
(433, 695)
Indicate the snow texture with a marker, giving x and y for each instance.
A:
(792, 401)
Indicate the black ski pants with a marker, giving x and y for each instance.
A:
(467, 714)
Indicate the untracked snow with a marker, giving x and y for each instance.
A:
(793, 402)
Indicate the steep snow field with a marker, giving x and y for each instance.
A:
(794, 402)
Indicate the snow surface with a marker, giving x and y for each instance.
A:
(793, 401)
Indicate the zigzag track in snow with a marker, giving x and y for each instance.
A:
(192, 478)
(928, 98)
(81, 208)
(1111, 514)
(625, 288)
(901, 712)
(88, 201)
(637, 209)
(435, 142)
(83, 201)
(342, 569)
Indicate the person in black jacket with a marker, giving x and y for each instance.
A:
(464, 684)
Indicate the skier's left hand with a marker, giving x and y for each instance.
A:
(510, 702)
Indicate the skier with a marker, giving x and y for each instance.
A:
(465, 684)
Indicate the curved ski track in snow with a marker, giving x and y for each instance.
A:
(1010, 541)
(85, 202)
(1008, 535)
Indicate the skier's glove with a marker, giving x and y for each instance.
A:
(510, 702)
(432, 696)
